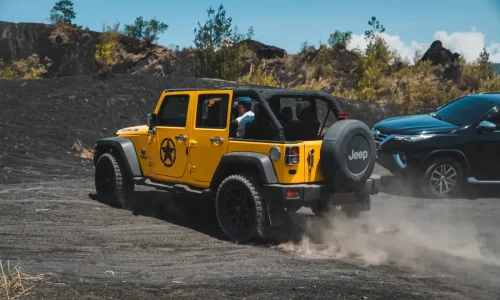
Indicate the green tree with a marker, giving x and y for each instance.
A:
(145, 30)
(63, 12)
(340, 39)
(375, 28)
(250, 33)
(219, 51)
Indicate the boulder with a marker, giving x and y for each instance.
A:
(264, 51)
(440, 55)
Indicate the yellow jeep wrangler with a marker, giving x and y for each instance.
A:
(254, 154)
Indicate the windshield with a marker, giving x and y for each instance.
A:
(463, 111)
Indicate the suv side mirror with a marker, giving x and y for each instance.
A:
(151, 120)
(487, 126)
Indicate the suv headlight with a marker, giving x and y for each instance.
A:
(413, 138)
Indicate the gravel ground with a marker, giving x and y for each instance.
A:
(405, 247)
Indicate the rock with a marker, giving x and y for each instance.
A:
(440, 55)
(264, 51)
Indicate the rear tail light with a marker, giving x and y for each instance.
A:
(292, 194)
(292, 155)
(343, 115)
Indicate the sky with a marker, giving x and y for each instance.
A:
(463, 26)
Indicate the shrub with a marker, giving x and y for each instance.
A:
(219, 52)
(339, 39)
(259, 77)
(107, 51)
(29, 68)
(145, 30)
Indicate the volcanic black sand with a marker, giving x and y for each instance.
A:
(405, 248)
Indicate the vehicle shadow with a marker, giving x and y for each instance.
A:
(181, 211)
(397, 186)
(164, 206)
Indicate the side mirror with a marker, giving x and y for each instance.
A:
(151, 120)
(487, 126)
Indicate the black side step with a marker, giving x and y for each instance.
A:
(169, 187)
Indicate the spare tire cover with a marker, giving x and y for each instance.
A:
(348, 154)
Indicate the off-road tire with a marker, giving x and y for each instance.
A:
(432, 167)
(248, 185)
(120, 189)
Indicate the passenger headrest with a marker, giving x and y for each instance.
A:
(287, 113)
(304, 111)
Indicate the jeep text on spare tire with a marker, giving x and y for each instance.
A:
(252, 155)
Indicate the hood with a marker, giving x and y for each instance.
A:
(135, 130)
(414, 125)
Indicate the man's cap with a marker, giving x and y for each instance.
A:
(242, 100)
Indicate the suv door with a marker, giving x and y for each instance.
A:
(209, 133)
(488, 150)
(169, 145)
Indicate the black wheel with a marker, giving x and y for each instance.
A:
(443, 178)
(113, 185)
(240, 209)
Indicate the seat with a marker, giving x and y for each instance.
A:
(261, 128)
(290, 126)
(308, 123)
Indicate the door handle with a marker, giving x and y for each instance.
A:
(217, 140)
(181, 137)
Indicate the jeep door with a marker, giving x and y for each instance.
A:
(168, 146)
(209, 133)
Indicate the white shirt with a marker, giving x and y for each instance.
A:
(243, 120)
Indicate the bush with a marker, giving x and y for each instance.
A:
(259, 77)
(29, 68)
(107, 51)
(219, 52)
(145, 30)
(339, 39)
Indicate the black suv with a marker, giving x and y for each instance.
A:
(446, 149)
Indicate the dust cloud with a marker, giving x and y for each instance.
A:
(403, 231)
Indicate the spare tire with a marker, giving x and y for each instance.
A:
(348, 155)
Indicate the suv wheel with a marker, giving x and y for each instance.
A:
(112, 183)
(443, 178)
(240, 208)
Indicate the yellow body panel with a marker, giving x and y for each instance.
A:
(197, 157)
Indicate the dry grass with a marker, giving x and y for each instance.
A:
(14, 283)
(81, 150)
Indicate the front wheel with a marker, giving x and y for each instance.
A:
(113, 185)
(443, 178)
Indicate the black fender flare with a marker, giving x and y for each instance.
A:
(239, 160)
(460, 153)
(126, 149)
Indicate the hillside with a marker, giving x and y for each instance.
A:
(496, 67)
(375, 75)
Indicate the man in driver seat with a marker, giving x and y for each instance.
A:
(246, 114)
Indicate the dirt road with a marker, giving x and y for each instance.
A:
(408, 248)
(405, 248)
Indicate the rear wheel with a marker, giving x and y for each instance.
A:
(443, 178)
(241, 209)
(113, 185)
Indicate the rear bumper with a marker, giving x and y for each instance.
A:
(312, 194)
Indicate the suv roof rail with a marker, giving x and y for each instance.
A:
(489, 93)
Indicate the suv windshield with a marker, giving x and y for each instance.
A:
(463, 111)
